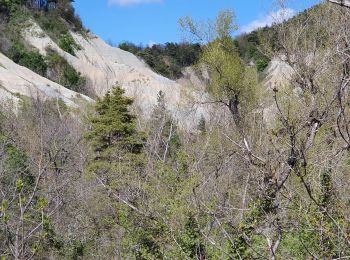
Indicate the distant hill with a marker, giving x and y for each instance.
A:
(63, 58)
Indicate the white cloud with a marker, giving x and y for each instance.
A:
(272, 18)
(132, 2)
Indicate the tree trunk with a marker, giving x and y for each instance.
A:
(233, 106)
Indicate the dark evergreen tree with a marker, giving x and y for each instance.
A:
(118, 163)
(116, 143)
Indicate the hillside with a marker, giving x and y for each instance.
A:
(237, 149)
(69, 57)
(93, 66)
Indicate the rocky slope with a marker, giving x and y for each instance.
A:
(16, 81)
(105, 66)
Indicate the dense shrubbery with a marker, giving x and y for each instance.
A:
(33, 60)
(56, 23)
(11, 27)
(53, 66)
(249, 48)
(52, 24)
(67, 43)
(66, 11)
(8, 6)
(168, 59)
(60, 71)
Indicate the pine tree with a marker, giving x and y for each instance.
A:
(116, 143)
(119, 164)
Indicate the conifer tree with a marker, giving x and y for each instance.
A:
(118, 163)
(116, 143)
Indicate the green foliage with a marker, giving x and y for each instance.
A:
(262, 64)
(130, 47)
(50, 237)
(33, 60)
(168, 59)
(191, 241)
(67, 43)
(114, 127)
(223, 26)
(119, 162)
(73, 79)
(52, 24)
(226, 68)
(144, 235)
(208, 194)
(10, 5)
(231, 82)
(66, 11)
(17, 168)
(56, 22)
(60, 71)
(12, 25)
(53, 66)
(250, 47)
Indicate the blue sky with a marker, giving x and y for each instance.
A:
(156, 21)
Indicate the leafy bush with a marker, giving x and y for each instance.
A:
(11, 27)
(60, 71)
(73, 79)
(248, 46)
(10, 5)
(130, 47)
(67, 12)
(262, 64)
(55, 22)
(68, 44)
(52, 24)
(33, 60)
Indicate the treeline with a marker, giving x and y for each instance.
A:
(258, 46)
(251, 49)
(166, 59)
(170, 59)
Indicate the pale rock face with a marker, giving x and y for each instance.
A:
(278, 73)
(105, 66)
(17, 80)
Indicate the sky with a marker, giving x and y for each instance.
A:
(149, 22)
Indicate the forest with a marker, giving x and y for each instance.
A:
(267, 177)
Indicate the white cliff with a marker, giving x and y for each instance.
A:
(105, 66)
